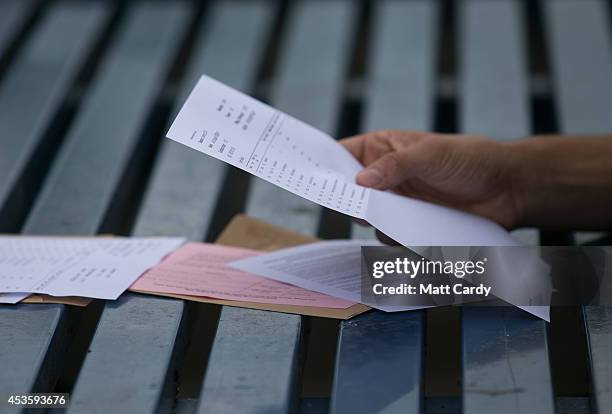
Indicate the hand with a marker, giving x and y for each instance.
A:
(465, 172)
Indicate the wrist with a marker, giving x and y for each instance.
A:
(529, 170)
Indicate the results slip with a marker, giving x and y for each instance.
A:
(226, 124)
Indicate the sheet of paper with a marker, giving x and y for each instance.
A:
(100, 268)
(12, 298)
(233, 127)
(329, 267)
(332, 313)
(200, 269)
(248, 232)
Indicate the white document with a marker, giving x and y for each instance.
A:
(334, 268)
(242, 131)
(12, 298)
(331, 267)
(100, 268)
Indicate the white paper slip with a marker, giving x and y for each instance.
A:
(100, 268)
(334, 268)
(233, 127)
(12, 298)
(331, 267)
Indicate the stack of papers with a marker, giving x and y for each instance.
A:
(296, 275)
(72, 270)
(201, 269)
(100, 268)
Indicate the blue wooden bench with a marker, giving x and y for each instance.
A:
(87, 91)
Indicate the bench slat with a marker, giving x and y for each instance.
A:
(309, 87)
(28, 335)
(256, 377)
(598, 321)
(39, 79)
(581, 60)
(95, 162)
(581, 56)
(262, 376)
(85, 181)
(493, 69)
(505, 362)
(184, 186)
(505, 353)
(13, 14)
(379, 366)
(402, 72)
(129, 356)
(47, 64)
(168, 209)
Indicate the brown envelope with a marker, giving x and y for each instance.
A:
(61, 300)
(247, 232)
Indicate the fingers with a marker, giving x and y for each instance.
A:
(361, 222)
(355, 145)
(390, 170)
(387, 155)
(386, 239)
(369, 147)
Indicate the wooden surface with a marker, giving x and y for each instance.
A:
(504, 351)
(87, 91)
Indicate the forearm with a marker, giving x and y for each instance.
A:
(563, 182)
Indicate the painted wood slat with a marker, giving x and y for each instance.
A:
(31, 94)
(233, 59)
(185, 184)
(253, 365)
(401, 80)
(106, 141)
(401, 84)
(221, 383)
(494, 99)
(493, 70)
(505, 362)
(500, 347)
(88, 173)
(29, 97)
(28, 335)
(598, 322)
(309, 86)
(578, 33)
(379, 365)
(13, 14)
(135, 342)
(581, 61)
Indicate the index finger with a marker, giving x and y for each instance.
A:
(355, 145)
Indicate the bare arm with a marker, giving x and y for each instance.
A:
(564, 182)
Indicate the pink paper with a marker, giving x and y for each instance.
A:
(199, 269)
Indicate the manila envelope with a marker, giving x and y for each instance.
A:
(60, 300)
(247, 232)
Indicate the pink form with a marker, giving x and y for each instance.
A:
(199, 269)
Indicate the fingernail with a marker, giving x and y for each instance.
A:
(370, 177)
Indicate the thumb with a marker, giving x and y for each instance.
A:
(390, 170)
